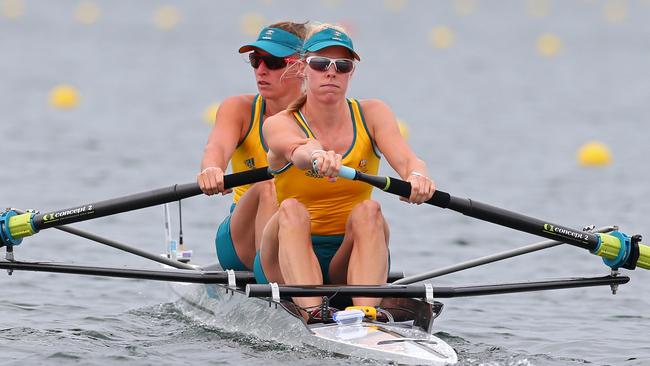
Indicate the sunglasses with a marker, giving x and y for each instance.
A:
(319, 63)
(271, 62)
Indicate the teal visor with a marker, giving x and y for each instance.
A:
(275, 41)
(329, 37)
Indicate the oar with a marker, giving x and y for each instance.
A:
(617, 249)
(121, 246)
(257, 290)
(489, 259)
(176, 275)
(14, 226)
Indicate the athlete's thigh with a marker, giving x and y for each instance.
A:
(338, 271)
(242, 217)
(269, 250)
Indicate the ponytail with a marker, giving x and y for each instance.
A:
(297, 104)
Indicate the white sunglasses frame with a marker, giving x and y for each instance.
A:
(332, 62)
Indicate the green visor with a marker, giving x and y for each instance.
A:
(275, 41)
(329, 37)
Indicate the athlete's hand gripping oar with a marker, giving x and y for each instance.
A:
(14, 226)
(617, 249)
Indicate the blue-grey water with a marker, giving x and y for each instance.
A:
(494, 120)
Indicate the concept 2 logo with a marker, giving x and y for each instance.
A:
(565, 233)
(54, 216)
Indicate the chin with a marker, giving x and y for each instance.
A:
(331, 96)
(267, 92)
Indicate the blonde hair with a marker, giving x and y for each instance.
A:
(313, 28)
(298, 29)
(317, 27)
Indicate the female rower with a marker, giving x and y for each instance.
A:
(327, 230)
(236, 137)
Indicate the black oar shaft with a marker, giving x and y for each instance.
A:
(524, 223)
(419, 291)
(115, 205)
(140, 200)
(487, 212)
(488, 259)
(617, 249)
(121, 246)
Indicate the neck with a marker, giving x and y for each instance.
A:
(318, 112)
(277, 105)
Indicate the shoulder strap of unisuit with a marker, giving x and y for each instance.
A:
(360, 122)
(302, 122)
(257, 110)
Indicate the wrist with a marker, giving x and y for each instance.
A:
(417, 174)
(317, 151)
(208, 168)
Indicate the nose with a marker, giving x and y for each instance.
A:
(262, 69)
(331, 71)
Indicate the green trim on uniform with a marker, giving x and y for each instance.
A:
(354, 130)
(250, 125)
(262, 110)
(375, 149)
(305, 128)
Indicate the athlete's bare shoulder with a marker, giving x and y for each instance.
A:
(238, 102)
(280, 118)
(372, 105)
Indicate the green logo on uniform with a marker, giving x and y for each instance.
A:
(250, 163)
(312, 174)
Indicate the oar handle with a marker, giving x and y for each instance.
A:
(617, 249)
(393, 185)
(13, 227)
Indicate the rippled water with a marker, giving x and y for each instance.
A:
(493, 119)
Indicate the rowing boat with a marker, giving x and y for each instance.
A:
(232, 301)
(407, 339)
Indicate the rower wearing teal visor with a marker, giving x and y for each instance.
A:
(328, 230)
(236, 138)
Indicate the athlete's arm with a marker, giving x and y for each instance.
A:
(224, 137)
(384, 130)
(287, 143)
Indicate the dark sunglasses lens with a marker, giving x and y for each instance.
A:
(274, 63)
(271, 62)
(319, 64)
(344, 66)
(254, 59)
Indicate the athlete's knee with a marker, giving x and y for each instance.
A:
(294, 213)
(266, 190)
(367, 214)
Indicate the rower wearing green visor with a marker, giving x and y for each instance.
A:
(237, 138)
(328, 230)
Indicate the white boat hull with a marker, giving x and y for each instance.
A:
(403, 342)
